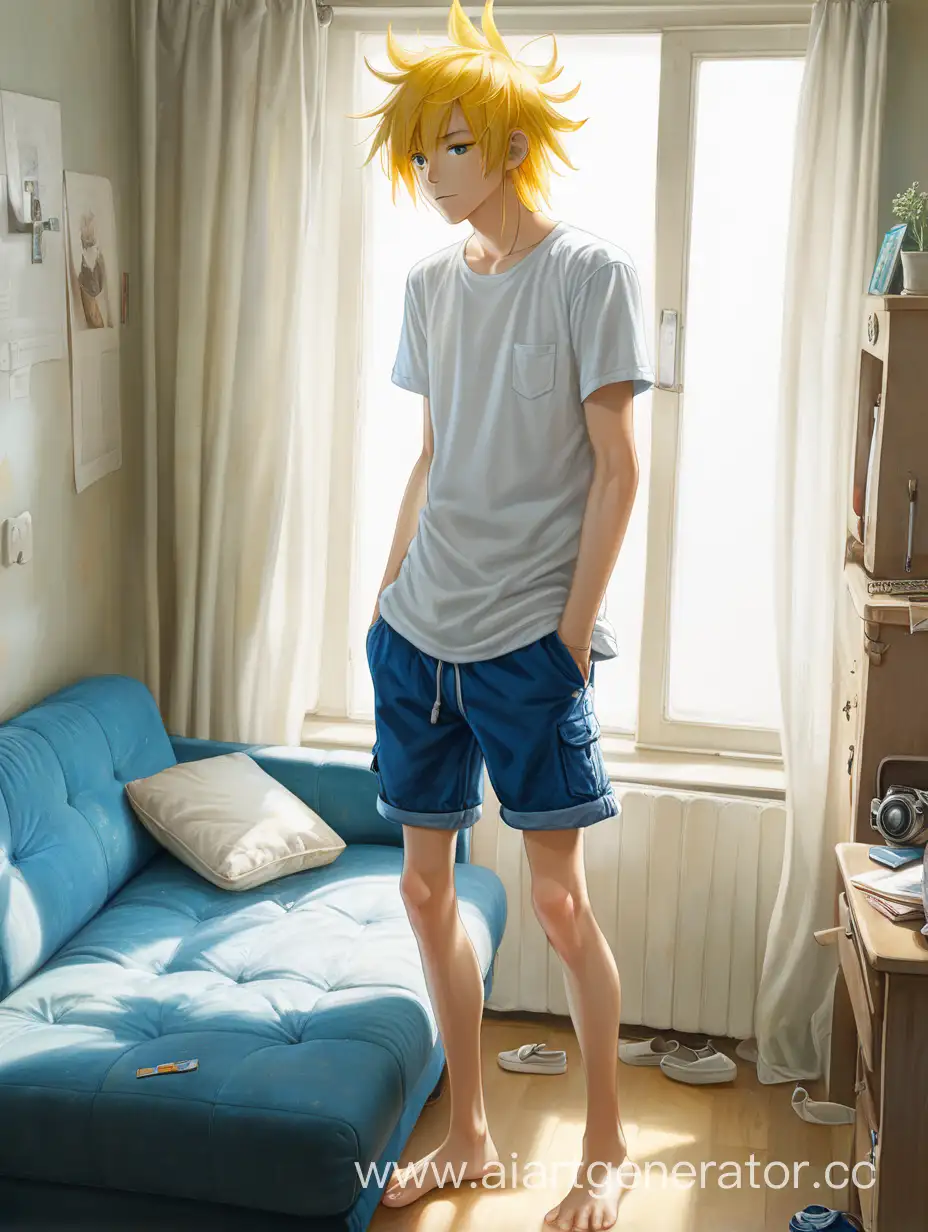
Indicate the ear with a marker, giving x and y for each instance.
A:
(518, 149)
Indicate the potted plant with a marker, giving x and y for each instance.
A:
(912, 207)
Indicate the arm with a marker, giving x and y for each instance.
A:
(414, 497)
(610, 425)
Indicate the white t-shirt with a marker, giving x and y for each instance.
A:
(506, 361)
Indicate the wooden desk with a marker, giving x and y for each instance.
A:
(883, 966)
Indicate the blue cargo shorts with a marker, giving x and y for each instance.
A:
(528, 715)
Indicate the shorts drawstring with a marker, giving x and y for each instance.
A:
(457, 685)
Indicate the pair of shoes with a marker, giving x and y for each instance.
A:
(534, 1059)
(814, 1218)
(699, 1066)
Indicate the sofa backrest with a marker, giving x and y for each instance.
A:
(335, 783)
(68, 837)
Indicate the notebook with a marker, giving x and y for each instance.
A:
(901, 885)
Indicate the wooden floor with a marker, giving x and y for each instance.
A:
(541, 1119)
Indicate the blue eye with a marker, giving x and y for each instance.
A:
(415, 164)
(452, 148)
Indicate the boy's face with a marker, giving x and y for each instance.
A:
(451, 176)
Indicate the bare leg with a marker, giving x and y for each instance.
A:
(455, 986)
(561, 902)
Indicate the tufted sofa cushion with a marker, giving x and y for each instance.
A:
(68, 837)
(303, 1000)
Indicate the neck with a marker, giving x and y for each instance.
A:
(522, 227)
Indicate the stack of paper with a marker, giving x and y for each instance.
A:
(897, 912)
(897, 893)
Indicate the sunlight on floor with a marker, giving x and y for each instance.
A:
(537, 1124)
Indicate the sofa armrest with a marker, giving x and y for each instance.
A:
(335, 783)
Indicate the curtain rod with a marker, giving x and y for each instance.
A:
(686, 12)
(555, 7)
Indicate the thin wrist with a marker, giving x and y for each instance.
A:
(572, 646)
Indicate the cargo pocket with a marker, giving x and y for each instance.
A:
(581, 755)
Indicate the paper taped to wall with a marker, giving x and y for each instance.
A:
(32, 297)
(93, 301)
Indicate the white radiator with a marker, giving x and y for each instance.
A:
(683, 886)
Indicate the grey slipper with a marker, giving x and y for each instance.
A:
(534, 1059)
(699, 1066)
(647, 1052)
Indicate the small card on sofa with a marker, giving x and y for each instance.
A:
(232, 822)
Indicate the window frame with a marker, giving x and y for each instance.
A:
(682, 53)
(690, 33)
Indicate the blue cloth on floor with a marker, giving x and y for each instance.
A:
(814, 1218)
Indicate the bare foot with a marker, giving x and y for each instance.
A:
(456, 1160)
(593, 1201)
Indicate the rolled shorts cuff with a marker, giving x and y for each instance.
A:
(458, 819)
(571, 818)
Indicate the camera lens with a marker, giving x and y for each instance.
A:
(896, 820)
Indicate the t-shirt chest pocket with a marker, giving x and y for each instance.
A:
(533, 368)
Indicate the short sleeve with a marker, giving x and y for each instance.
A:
(607, 330)
(411, 369)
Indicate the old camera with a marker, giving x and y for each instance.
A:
(901, 816)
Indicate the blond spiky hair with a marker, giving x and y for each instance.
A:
(497, 94)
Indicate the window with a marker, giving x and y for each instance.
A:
(686, 163)
(722, 667)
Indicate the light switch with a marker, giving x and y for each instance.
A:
(16, 539)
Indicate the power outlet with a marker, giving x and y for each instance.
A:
(16, 540)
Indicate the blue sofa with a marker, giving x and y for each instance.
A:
(304, 1000)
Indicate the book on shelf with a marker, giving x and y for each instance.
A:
(895, 857)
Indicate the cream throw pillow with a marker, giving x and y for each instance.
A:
(231, 822)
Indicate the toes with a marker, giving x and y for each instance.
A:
(393, 1194)
(396, 1197)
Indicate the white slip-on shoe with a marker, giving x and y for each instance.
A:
(747, 1051)
(647, 1052)
(534, 1059)
(699, 1066)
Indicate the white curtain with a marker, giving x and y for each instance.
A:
(230, 101)
(831, 251)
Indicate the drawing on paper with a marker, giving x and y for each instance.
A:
(92, 244)
(91, 277)
(93, 297)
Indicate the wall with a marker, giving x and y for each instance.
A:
(905, 144)
(74, 610)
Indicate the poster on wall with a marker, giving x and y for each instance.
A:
(32, 296)
(93, 314)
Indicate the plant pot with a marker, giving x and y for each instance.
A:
(915, 273)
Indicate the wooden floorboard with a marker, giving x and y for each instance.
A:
(540, 1118)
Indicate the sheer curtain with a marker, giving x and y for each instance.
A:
(230, 117)
(830, 254)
